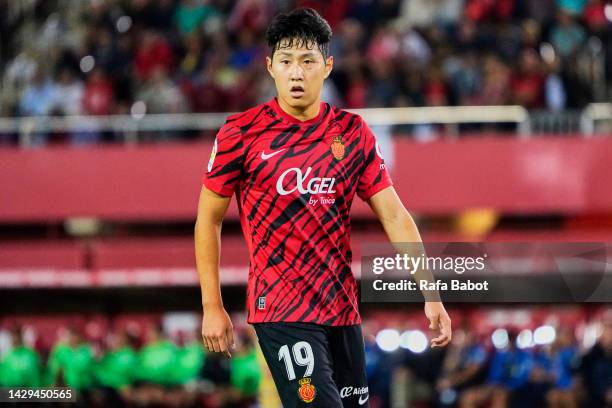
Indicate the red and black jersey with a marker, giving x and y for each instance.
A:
(295, 182)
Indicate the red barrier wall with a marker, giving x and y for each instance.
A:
(565, 175)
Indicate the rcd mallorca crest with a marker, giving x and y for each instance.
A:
(337, 148)
(306, 391)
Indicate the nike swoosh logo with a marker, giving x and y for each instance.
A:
(265, 156)
(363, 401)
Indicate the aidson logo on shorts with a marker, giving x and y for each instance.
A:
(362, 392)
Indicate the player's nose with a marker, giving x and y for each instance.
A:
(296, 73)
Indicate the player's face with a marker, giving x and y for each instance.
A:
(299, 73)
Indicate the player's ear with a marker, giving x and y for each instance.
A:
(329, 65)
(269, 66)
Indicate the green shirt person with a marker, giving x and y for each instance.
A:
(189, 362)
(245, 372)
(191, 15)
(20, 367)
(157, 359)
(118, 367)
(71, 363)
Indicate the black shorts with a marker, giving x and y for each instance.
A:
(315, 365)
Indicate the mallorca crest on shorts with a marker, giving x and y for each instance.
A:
(337, 148)
(307, 391)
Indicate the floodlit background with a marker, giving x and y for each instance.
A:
(492, 116)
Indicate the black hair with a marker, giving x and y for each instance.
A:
(304, 26)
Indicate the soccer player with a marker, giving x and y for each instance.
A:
(295, 165)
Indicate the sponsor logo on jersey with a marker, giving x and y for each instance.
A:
(305, 185)
(337, 148)
(211, 161)
(307, 391)
(261, 303)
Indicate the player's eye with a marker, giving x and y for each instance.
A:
(307, 61)
(285, 62)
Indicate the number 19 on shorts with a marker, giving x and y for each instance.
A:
(302, 355)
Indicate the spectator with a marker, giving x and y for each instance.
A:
(567, 36)
(332, 11)
(481, 10)
(191, 358)
(465, 77)
(495, 82)
(556, 95)
(252, 15)
(510, 369)
(597, 368)
(19, 73)
(116, 371)
(573, 7)
(564, 364)
(98, 95)
(423, 13)
(247, 51)
(350, 36)
(382, 90)
(71, 363)
(436, 92)
(191, 15)
(193, 61)
(464, 362)
(117, 368)
(156, 359)
(20, 366)
(39, 96)
(595, 16)
(413, 48)
(153, 53)
(541, 11)
(527, 84)
(384, 46)
(68, 93)
(356, 93)
(412, 87)
(161, 95)
(245, 372)
(206, 95)
(378, 368)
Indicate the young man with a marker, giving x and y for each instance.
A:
(295, 165)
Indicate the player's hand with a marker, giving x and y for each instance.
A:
(439, 320)
(217, 330)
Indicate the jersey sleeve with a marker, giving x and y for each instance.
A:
(374, 175)
(225, 164)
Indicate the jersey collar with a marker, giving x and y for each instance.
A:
(288, 118)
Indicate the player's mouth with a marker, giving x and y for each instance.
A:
(296, 91)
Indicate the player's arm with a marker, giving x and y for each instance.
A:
(400, 227)
(217, 329)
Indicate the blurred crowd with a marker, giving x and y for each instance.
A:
(100, 57)
(154, 369)
(498, 370)
(123, 369)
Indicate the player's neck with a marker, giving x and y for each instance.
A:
(310, 112)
